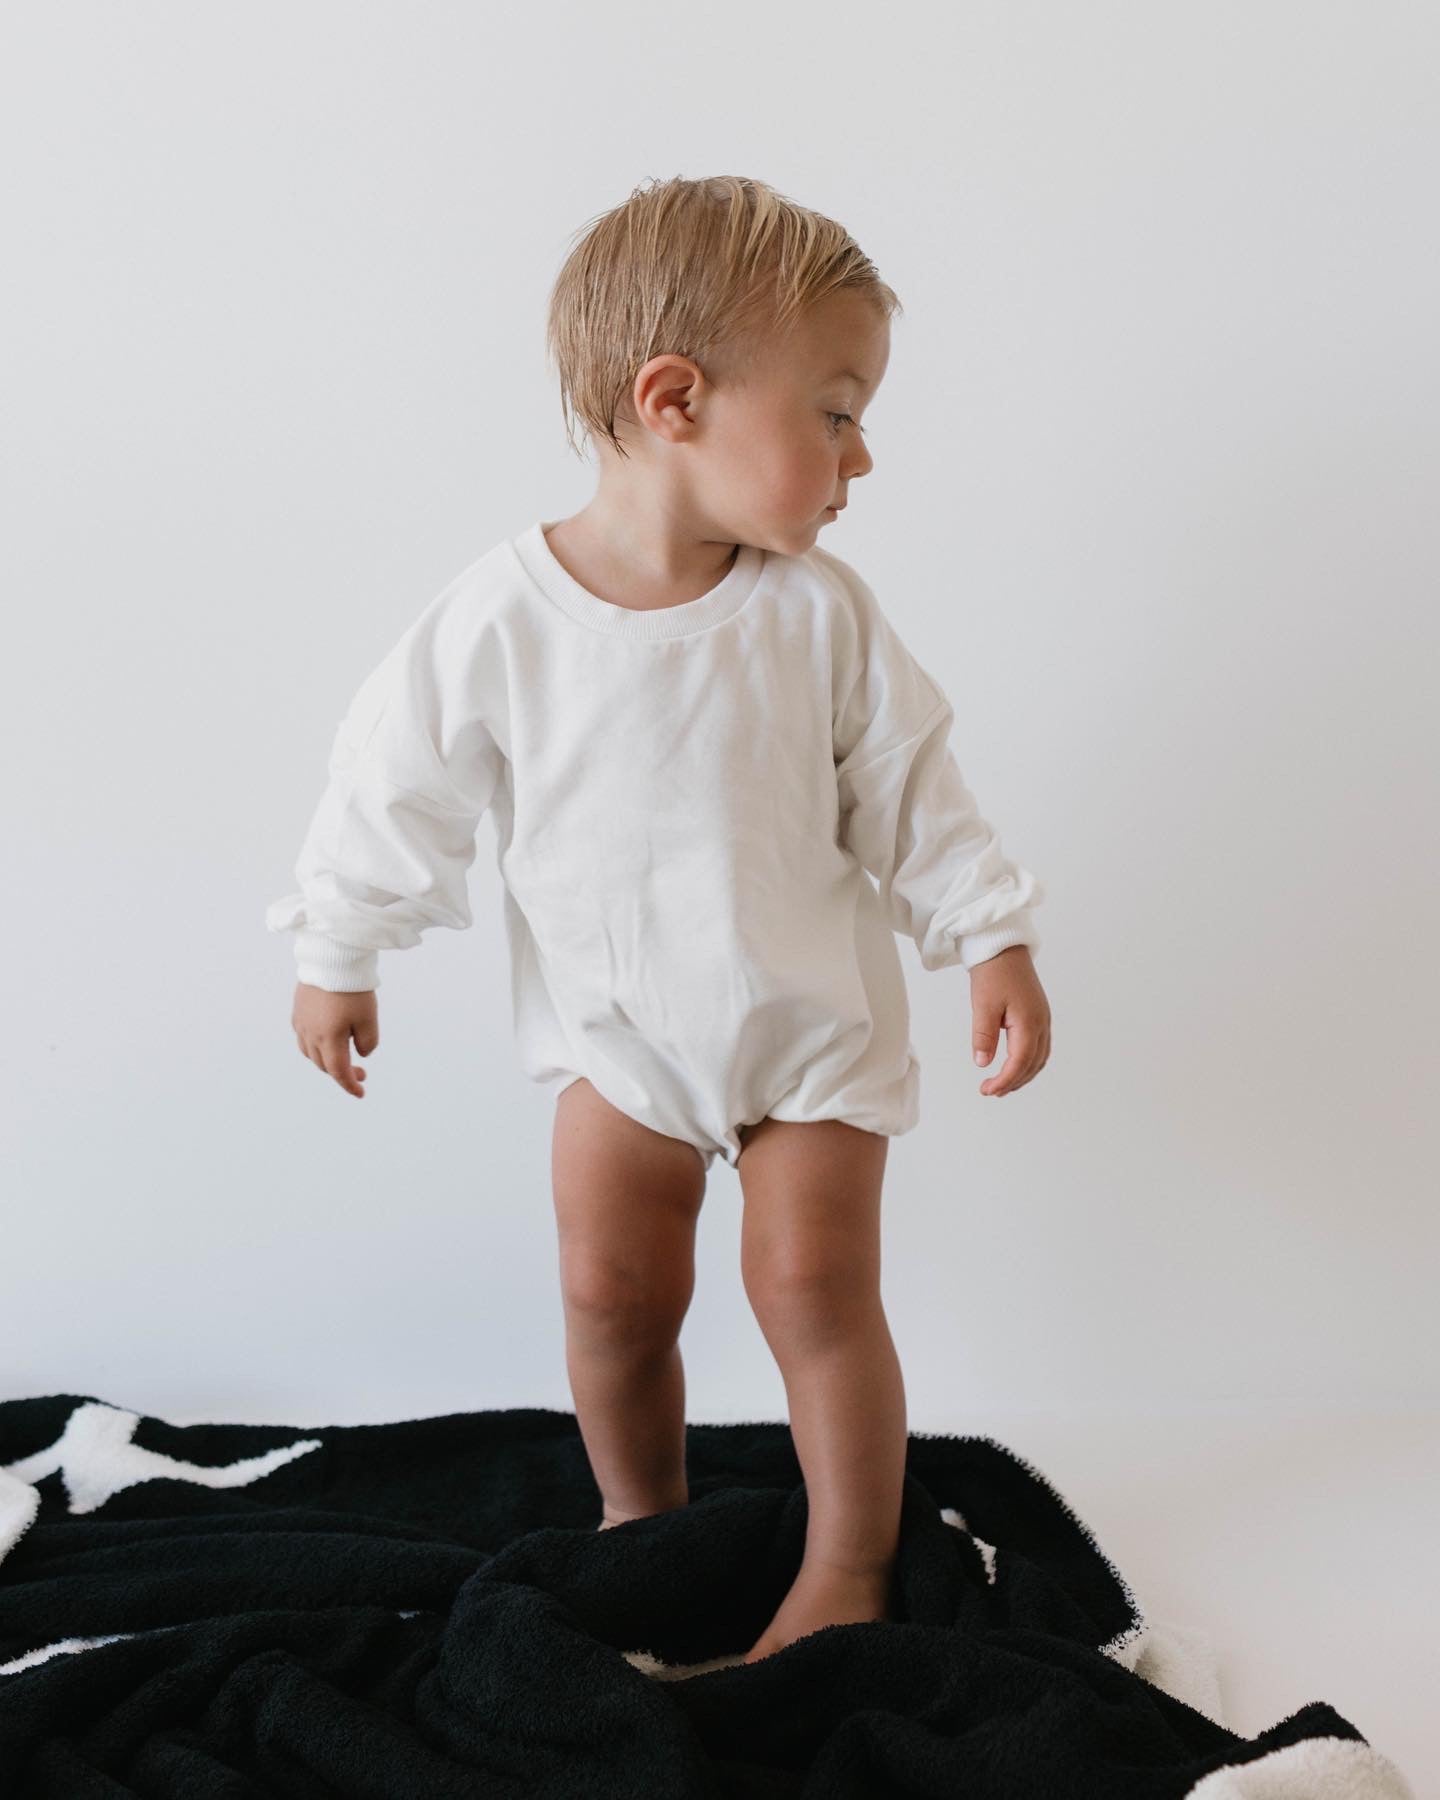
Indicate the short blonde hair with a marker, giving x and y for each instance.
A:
(699, 268)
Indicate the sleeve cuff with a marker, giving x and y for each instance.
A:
(324, 962)
(980, 946)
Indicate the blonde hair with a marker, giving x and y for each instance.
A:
(699, 268)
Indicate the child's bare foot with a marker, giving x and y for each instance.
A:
(611, 1516)
(821, 1596)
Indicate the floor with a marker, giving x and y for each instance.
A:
(1306, 1550)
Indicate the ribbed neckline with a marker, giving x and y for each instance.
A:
(550, 575)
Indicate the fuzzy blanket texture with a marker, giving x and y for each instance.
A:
(426, 1609)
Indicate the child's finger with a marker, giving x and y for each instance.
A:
(335, 1053)
(1016, 1069)
(984, 1036)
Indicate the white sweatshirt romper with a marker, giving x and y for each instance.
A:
(686, 802)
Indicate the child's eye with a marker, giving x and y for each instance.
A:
(844, 418)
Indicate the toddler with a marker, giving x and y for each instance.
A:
(698, 737)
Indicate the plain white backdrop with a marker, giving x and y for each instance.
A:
(1154, 499)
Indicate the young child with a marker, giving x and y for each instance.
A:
(695, 731)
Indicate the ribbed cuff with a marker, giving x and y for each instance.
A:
(324, 962)
(980, 946)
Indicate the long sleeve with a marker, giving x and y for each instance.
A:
(906, 812)
(412, 768)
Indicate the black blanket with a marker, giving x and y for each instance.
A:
(426, 1609)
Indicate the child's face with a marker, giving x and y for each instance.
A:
(763, 455)
(781, 447)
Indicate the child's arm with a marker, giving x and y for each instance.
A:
(905, 810)
(412, 768)
(909, 818)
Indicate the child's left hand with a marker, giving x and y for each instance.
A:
(1006, 991)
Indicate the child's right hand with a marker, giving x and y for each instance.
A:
(325, 1023)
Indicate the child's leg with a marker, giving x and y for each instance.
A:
(810, 1261)
(626, 1202)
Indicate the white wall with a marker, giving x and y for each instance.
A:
(1154, 497)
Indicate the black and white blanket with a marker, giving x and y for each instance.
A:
(425, 1609)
